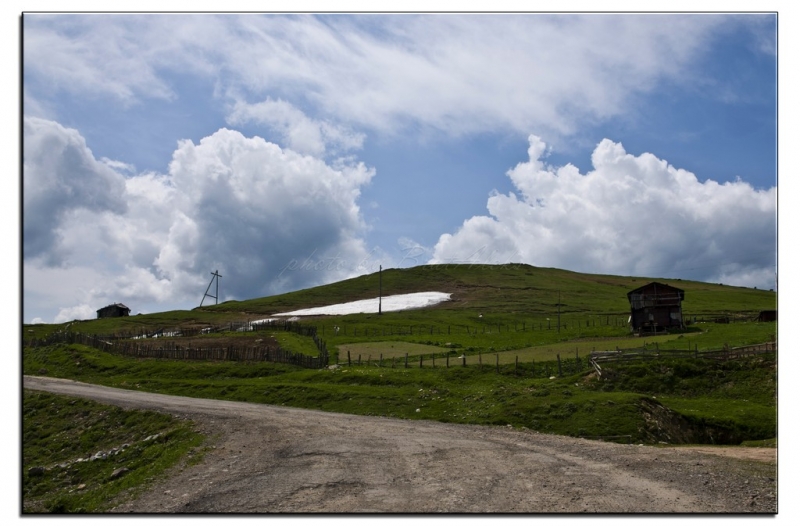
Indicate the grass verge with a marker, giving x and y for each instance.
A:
(735, 401)
(79, 456)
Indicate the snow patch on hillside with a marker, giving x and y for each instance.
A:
(396, 302)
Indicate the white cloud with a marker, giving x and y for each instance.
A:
(78, 312)
(96, 55)
(301, 133)
(413, 253)
(269, 219)
(392, 73)
(61, 176)
(255, 208)
(630, 215)
(118, 166)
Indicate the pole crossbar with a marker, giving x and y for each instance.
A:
(215, 276)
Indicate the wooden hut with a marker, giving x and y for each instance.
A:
(656, 307)
(113, 311)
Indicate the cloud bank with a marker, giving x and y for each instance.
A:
(273, 220)
(630, 215)
(457, 74)
(269, 219)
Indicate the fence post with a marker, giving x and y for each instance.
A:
(348, 358)
(558, 357)
(406, 361)
(463, 360)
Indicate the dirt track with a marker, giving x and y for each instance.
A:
(278, 459)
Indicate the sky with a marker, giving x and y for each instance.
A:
(289, 151)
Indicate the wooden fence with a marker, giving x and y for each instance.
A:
(561, 366)
(155, 347)
(641, 354)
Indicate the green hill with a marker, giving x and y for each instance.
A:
(493, 355)
(513, 289)
(512, 295)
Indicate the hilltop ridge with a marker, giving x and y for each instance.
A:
(514, 288)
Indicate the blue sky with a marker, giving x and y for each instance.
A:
(291, 151)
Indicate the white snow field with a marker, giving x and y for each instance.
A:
(388, 303)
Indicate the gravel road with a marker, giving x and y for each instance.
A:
(278, 459)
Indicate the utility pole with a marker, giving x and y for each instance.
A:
(215, 276)
(380, 287)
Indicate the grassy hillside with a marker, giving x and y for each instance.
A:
(513, 289)
(503, 321)
(504, 315)
(506, 295)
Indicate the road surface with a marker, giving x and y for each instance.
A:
(277, 459)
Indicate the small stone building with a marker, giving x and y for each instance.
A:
(113, 311)
(656, 307)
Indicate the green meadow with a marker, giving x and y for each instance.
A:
(489, 356)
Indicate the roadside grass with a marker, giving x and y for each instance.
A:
(739, 394)
(61, 434)
(753, 418)
(733, 395)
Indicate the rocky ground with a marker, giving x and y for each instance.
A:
(276, 459)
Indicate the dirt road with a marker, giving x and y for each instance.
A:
(278, 459)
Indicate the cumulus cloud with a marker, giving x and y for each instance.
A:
(269, 219)
(61, 176)
(630, 215)
(252, 208)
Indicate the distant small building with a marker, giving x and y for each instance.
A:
(656, 307)
(113, 311)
